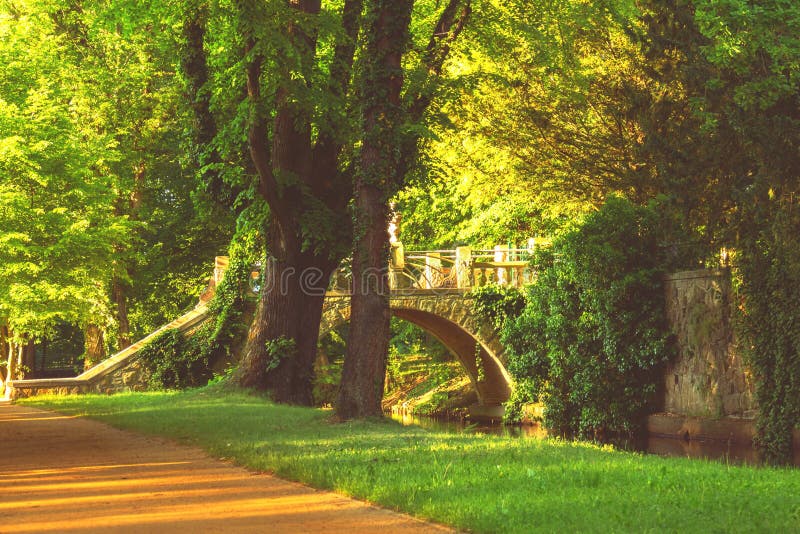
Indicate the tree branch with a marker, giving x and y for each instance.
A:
(450, 25)
(327, 182)
(258, 139)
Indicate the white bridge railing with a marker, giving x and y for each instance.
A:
(459, 268)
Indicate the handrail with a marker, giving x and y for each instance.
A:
(499, 264)
(459, 268)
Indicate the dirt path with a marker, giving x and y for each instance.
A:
(68, 474)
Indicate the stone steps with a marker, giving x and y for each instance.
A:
(118, 372)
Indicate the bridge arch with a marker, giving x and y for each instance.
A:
(448, 315)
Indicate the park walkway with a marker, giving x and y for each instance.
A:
(69, 474)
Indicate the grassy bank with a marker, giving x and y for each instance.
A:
(480, 483)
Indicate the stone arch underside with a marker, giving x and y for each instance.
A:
(449, 318)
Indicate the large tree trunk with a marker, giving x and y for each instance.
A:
(364, 369)
(282, 165)
(289, 309)
(306, 189)
(267, 361)
(314, 279)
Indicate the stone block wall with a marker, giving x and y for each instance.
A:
(131, 376)
(709, 377)
(119, 373)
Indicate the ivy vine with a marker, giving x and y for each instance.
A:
(177, 361)
(767, 268)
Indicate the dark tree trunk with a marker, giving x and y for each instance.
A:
(307, 190)
(290, 180)
(364, 369)
(262, 365)
(289, 308)
(27, 359)
(121, 302)
(194, 63)
(386, 156)
(314, 279)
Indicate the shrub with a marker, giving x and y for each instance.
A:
(496, 303)
(593, 337)
(768, 271)
(174, 362)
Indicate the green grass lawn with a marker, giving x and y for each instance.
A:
(479, 483)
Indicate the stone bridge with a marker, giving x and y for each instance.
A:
(448, 315)
(430, 289)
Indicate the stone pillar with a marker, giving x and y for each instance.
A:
(220, 266)
(500, 255)
(709, 377)
(397, 264)
(463, 267)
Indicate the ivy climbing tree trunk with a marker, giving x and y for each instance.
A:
(364, 369)
(387, 153)
(300, 178)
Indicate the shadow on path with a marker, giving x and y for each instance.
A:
(68, 474)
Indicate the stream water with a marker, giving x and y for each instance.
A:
(711, 450)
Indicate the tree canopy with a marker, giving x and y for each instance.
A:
(138, 140)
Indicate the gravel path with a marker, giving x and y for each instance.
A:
(70, 474)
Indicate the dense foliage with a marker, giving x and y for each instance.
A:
(98, 228)
(175, 360)
(567, 102)
(769, 277)
(497, 304)
(135, 138)
(593, 337)
(724, 136)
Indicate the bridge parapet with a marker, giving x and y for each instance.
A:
(460, 268)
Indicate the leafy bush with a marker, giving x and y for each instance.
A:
(768, 271)
(593, 337)
(497, 303)
(227, 310)
(174, 362)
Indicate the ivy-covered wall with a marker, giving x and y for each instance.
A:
(709, 377)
